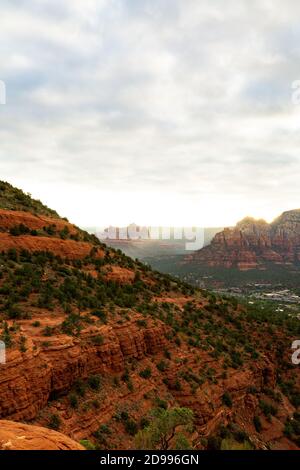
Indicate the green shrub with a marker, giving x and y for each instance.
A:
(73, 400)
(87, 444)
(80, 387)
(94, 382)
(100, 314)
(268, 409)
(144, 423)
(131, 427)
(227, 400)
(146, 373)
(257, 423)
(48, 331)
(161, 403)
(162, 366)
(18, 230)
(98, 340)
(23, 347)
(54, 422)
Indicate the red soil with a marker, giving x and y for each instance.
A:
(64, 248)
(19, 436)
(9, 219)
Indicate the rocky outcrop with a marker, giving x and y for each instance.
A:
(254, 244)
(9, 219)
(65, 248)
(120, 274)
(25, 381)
(19, 436)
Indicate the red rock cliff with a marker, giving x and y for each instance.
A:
(254, 244)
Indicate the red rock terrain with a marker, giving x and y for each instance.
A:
(64, 248)
(95, 341)
(28, 379)
(254, 244)
(60, 247)
(9, 219)
(19, 436)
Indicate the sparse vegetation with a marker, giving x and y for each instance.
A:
(227, 400)
(200, 342)
(162, 432)
(54, 422)
(146, 373)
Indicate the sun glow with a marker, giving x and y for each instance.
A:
(97, 208)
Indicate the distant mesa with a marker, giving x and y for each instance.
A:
(254, 244)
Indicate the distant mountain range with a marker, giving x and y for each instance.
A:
(254, 244)
(251, 244)
(145, 247)
(252, 251)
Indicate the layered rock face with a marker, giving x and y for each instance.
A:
(28, 380)
(67, 248)
(64, 248)
(253, 244)
(9, 219)
(96, 341)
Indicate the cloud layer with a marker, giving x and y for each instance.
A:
(154, 111)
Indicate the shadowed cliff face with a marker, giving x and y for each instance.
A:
(95, 341)
(252, 244)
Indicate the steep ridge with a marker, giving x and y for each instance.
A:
(14, 199)
(254, 244)
(95, 341)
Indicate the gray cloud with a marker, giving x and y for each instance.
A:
(180, 96)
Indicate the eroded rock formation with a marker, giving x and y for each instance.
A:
(254, 244)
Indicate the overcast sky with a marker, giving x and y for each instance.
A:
(152, 111)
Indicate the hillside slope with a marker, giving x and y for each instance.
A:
(96, 342)
(15, 199)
